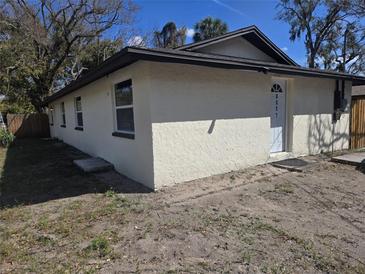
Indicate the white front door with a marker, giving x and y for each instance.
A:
(278, 115)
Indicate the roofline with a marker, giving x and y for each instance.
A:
(237, 33)
(130, 55)
(219, 38)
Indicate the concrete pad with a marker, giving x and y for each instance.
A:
(356, 159)
(93, 165)
(294, 164)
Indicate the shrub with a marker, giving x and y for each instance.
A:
(101, 245)
(6, 137)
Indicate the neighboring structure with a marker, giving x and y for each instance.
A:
(165, 116)
(358, 91)
(357, 124)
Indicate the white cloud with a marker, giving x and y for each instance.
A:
(136, 41)
(190, 33)
(284, 49)
(218, 2)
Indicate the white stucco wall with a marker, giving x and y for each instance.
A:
(132, 158)
(237, 47)
(311, 103)
(193, 122)
(208, 121)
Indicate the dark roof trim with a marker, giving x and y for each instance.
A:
(253, 35)
(130, 55)
(228, 35)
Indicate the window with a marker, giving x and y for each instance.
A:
(124, 117)
(78, 114)
(51, 115)
(63, 115)
(276, 88)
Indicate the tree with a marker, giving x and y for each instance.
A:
(304, 17)
(170, 36)
(209, 28)
(44, 34)
(91, 55)
(345, 48)
(358, 8)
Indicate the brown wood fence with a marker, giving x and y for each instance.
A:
(358, 122)
(28, 125)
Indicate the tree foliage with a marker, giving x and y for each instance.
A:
(91, 55)
(170, 36)
(40, 38)
(209, 28)
(345, 50)
(332, 30)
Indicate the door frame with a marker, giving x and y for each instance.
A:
(286, 114)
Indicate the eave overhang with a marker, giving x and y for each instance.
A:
(130, 55)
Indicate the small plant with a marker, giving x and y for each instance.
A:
(43, 223)
(101, 245)
(110, 193)
(6, 137)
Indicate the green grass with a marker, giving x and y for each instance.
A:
(100, 245)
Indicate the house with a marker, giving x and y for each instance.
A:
(165, 116)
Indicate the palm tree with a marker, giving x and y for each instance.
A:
(170, 36)
(208, 28)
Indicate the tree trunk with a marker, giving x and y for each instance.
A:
(311, 60)
(41, 91)
(342, 67)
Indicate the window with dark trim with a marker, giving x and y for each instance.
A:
(63, 115)
(78, 114)
(51, 115)
(123, 105)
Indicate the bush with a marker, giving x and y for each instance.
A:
(101, 245)
(6, 137)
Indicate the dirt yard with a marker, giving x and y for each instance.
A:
(55, 219)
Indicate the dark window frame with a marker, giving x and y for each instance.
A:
(51, 114)
(63, 114)
(78, 126)
(124, 133)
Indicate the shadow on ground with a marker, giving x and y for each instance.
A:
(361, 167)
(39, 170)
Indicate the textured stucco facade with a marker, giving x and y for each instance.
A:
(132, 158)
(195, 121)
(208, 121)
(237, 47)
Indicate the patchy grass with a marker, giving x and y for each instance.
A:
(95, 228)
(100, 245)
(286, 188)
(36, 171)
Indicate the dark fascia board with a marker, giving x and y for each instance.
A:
(173, 56)
(262, 42)
(254, 36)
(228, 35)
(115, 62)
(130, 55)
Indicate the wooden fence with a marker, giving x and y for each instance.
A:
(358, 122)
(28, 125)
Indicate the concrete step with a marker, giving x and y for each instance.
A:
(356, 159)
(91, 165)
(294, 164)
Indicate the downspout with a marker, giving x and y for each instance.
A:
(334, 118)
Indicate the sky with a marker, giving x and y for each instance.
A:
(153, 14)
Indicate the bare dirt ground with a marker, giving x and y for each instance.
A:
(258, 220)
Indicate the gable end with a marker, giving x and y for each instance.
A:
(251, 34)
